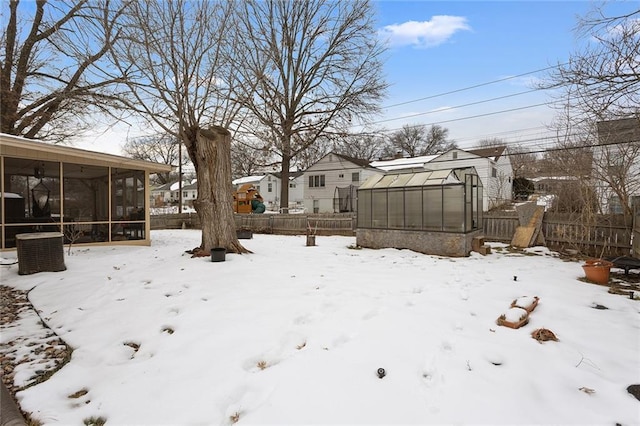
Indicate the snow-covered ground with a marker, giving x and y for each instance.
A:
(295, 335)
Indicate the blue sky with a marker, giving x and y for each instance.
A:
(443, 46)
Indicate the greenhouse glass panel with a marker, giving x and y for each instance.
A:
(432, 202)
(468, 203)
(419, 179)
(379, 209)
(386, 181)
(453, 208)
(364, 209)
(401, 181)
(413, 208)
(395, 205)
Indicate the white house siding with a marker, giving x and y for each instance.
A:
(496, 190)
(270, 191)
(296, 191)
(338, 172)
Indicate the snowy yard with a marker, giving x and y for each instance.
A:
(295, 335)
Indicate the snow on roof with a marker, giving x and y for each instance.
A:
(247, 179)
(176, 185)
(403, 163)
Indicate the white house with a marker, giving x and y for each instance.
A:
(492, 165)
(330, 185)
(296, 189)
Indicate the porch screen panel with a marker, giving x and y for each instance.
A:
(379, 208)
(453, 208)
(86, 193)
(413, 208)
(395, 205)
(432, 210)
(127, 204)
(30, 197)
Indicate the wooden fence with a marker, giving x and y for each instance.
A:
(284, 224)
(607, 236)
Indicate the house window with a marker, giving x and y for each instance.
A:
(316, 181)
(341, 175)
(269, 187)
(355, 177)
(494, 172)
(185, 194)
(455, 155)
(292, 185)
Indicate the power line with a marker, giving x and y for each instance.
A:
(475, 86)
(457, 106)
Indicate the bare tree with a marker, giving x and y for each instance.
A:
(318, 69)
(617, 162)
(523, 162)
(601, 83)
(417, 140)
(314, 153)
(161, 148)
(51, 75)
(363, 147)
(249, 156)
(178, 60)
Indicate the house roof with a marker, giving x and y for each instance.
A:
(248, 179)
(165, 187)
(292, 175)
(358, 161)
(403, 163)
(29, 148)
(493, 152)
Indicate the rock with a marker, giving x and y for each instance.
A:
(635, 391)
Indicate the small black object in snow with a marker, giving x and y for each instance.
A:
(381, 372)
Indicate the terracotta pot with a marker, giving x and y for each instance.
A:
(514, 318)
(527, 303)
(597, 270)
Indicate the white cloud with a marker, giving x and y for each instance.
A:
(426, 33)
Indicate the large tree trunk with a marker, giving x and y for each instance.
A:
(284, 187)
(212, 160)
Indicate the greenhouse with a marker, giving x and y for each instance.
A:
(434, 212)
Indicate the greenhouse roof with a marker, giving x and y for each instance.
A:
(424, 178)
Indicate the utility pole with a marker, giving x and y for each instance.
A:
(179, 175)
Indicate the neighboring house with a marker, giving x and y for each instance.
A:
(160, 195)
(189, 193)
(296, 189)
(616, 162)
(492, 165)
(330, 185)
(170, 194)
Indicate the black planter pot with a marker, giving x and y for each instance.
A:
(218, 254)
(244, 234)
